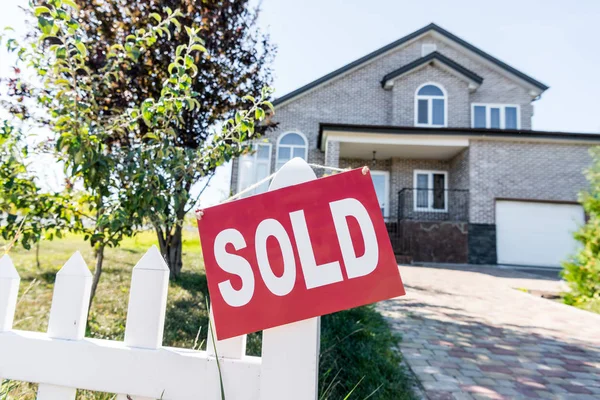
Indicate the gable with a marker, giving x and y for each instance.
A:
(438, 60)
(534, 87)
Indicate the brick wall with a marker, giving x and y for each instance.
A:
(523, 170)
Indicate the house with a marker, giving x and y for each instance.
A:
(446, 131)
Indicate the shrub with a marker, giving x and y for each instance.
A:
(582, 271)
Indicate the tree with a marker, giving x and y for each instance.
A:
(112, 149)
(235, 64)
(582, 272)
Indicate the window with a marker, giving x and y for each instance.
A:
(254, 167)
(495, 116)
(430, 106)
(291, 145)
(427, 48)
(430, 191)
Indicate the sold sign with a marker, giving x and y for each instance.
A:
(296, 253)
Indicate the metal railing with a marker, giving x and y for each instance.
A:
(433, 204)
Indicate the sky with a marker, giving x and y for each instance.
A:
(555, 42)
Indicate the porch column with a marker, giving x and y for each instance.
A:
(332, 153)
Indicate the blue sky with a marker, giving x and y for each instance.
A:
(556, 42)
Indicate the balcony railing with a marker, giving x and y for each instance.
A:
(433, 204)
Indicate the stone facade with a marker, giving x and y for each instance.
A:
(482, 244)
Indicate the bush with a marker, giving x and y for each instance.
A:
(582, 272)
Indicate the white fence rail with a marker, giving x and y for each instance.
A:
(63, 360)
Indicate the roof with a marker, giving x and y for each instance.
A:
(469, 132)
(384, 49)
(434, 56)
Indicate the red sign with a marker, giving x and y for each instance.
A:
(296, 253)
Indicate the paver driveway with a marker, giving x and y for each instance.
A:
(468, 333)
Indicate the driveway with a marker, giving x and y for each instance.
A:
(468, 333)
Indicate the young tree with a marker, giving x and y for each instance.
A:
(236, 63)
(582, 272)
(101, 145)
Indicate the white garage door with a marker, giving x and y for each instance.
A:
(539, 234)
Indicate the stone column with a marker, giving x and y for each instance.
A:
(332, 153)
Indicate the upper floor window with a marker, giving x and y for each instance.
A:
(430, 106)
(495, 116)
(253, 167)
(290, 145)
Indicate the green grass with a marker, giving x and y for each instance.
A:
(356, 345)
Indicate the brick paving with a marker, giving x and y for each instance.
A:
(469, 334)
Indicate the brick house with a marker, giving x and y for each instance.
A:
(446, 131)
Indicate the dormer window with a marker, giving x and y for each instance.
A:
(430, 106)
(427, 48)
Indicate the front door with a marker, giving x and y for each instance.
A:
(381, 182)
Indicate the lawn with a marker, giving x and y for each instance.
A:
(356, 345)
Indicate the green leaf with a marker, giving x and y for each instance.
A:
(81, 47)
(156, 17)
(259, 114)
(198, 47)
(42, 10)
(71, 4)
(270, 105)
(61, 52)
(45, 25)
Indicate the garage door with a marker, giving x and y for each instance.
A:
(538, 234)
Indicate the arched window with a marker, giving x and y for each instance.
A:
(290, 145)
(430, 106)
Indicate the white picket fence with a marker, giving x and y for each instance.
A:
(63, 360)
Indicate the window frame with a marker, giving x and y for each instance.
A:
(386, 174)
(488, 119)
(278, 145)
(430, 193)
(429, 99)
(254, 155)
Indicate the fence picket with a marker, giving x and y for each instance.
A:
(233, 349)
(147, 305)
(280, 377)
(9, 290)
(68, 314)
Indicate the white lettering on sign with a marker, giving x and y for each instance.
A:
(235, 265)
(314, 275)
(284, 284)
(365, 264)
